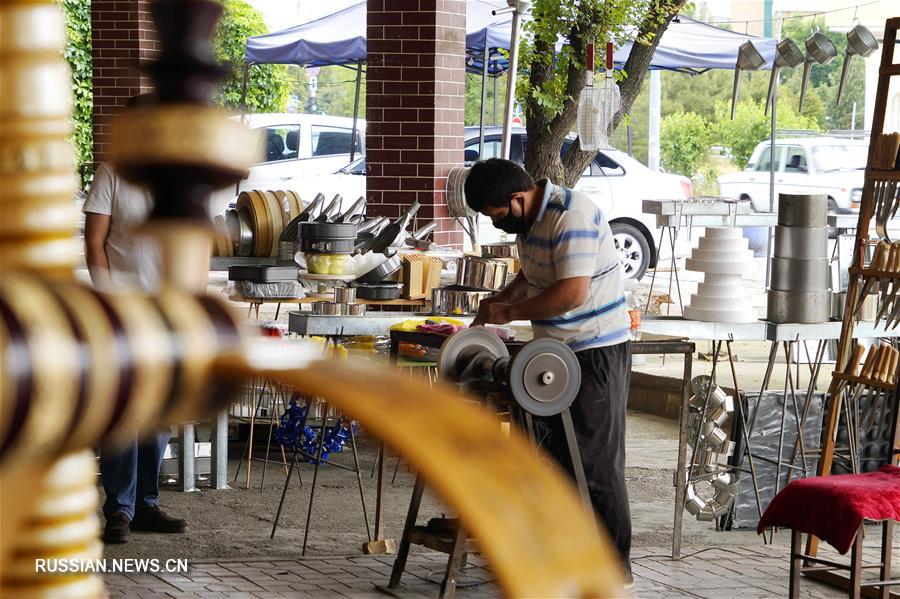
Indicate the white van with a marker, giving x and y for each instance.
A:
(295, 147)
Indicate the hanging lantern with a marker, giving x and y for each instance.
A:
(749, 59)
(597, 105)
(787, 54)
(859, 41)
(819, 49)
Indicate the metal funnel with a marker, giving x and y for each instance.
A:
(819, 49)
(749, 59)
(859, 41)
(787, 54)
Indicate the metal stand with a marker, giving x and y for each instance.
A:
(277, 392)
(318, 462)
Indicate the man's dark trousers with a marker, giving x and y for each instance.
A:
(598, 414)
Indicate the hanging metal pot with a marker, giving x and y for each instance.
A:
(819, 49)
(859, 41)
(787, 54)
(749, 59)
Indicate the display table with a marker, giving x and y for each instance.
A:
(256, 302)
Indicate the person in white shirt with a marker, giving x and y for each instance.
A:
(570, 288)
(118, 258)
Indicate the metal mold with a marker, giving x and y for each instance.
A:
(789, 274)
(499, 250)
(455, 301)
(345, 295)
(802, 210)
(801, 307)
(481, 273)
(801, 243)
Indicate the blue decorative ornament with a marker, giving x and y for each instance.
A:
(291, 425)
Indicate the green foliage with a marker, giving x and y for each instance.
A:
(751, 126)
(684, 142)
(473, 99)
(337, 88)
(78, 55)
(578, 23)
(269, 85)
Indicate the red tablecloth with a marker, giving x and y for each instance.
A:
(832, 507)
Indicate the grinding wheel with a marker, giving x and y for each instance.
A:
(544, 377)
(464, 344)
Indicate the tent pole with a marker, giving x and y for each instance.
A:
(771, 177)
(484, 76)
(494, 121)
(511, 73)
(653, 150)
(244, 84)
(355, 109)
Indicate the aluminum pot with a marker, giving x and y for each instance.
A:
(353, 309)
(801, 243)
(500, 250)
(345, 295)
(453, 301)
(789, 274)
(326, 308)
(481, 273)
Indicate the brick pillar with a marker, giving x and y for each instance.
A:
(415, 104)
(123, 36)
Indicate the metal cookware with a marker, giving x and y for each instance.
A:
(357, 208)
(819, 49)
(802, 210)
(291, 231)
(326, 308)
(327, 238)
(499, 250)
(789, 274)
(371, 224)
(395, 231)
(353, 309)
(859, 41)
(382, 291)
(481, 273)
(801, 243)
(382, 271)
(805, 307)
(344, 295)
(456, 301)
(245, 240)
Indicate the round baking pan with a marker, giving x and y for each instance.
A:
(384, 291)
(804, 307)
(802, 243)
(382, 271)
(802, 210)
(789, 274)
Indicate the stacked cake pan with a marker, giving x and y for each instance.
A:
(798, 289)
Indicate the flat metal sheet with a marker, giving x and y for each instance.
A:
(708, 207)
(678, 326)
(756, 219)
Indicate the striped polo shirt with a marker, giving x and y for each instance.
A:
(571, 238)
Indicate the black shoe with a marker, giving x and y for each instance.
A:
(116, 530)
(153, 519)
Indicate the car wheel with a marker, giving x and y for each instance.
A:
(632, 249)
(832, 206)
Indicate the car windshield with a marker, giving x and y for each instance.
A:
(839, 158)
(357, 167)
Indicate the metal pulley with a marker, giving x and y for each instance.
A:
(543, 377)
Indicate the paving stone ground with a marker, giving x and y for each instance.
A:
(712, 572)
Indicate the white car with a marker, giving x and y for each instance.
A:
(615, 181)
(805, 165)
(296, 147)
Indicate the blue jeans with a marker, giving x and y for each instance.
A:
(131, 475)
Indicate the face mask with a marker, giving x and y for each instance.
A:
(512, 223)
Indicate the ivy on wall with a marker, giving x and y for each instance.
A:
(78, 54)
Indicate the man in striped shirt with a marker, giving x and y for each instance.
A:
(570, 288)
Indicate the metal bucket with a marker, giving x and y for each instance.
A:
(447, 301)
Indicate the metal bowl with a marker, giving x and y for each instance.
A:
(382, 271)
(453, 301)
(481, 273)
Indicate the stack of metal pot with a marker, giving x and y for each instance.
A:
(476, 279)
(327, 247)
(799, 288)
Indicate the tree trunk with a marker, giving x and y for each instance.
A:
(545, 139)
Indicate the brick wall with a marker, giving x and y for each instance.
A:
(123, 36)
(415, 104)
